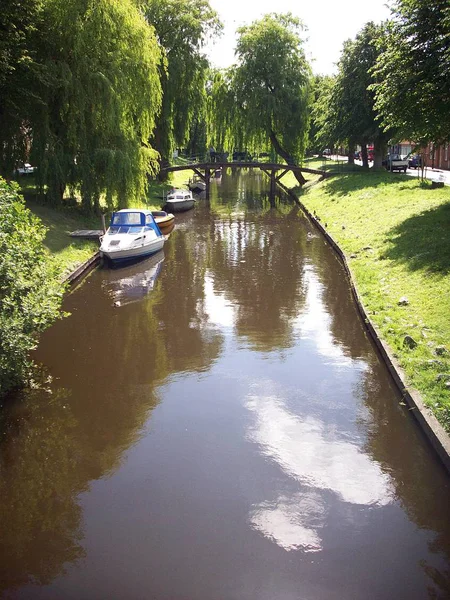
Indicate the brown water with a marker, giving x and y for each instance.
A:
(226, 433)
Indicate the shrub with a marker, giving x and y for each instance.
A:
(30, 287)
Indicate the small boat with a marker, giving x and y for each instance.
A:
(197, 185)
(164, 220)
(179, 200)
(132, 234)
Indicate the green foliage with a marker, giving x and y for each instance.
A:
(182, 28)
(413, 72)
(321, 127)
(100, 94)
(30, 286)
(225, 122)
(350, 116)
(18, 20)
(272, 85)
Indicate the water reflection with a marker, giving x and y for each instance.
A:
(241, 425)
(292, 522)
(133, 282)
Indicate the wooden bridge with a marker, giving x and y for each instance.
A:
(274, 171)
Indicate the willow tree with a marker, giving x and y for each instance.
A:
(272, 84)
(223, 118)
(100, 94)
(182, 28)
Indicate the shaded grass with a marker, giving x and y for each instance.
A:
(69, 252)
(395, 231)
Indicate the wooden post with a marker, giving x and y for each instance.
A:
(103, 223)
(207, 181)
(273, 186)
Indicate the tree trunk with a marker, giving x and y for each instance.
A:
(351, 152)
(287, 157)
(379, 150)
(364, 156)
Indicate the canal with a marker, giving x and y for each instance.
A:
(214, 424)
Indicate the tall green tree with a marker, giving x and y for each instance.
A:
(351, 117)
(413, 72)
(223, 116)
(182, 28)
(322, 119)
(272, 85)
(30, 286)
(18, 20)
(99, 96)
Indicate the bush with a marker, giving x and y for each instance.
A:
(30, 287)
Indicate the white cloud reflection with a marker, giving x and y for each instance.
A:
(219, 310)
(314, 321)
(317, 458)
(293, 522)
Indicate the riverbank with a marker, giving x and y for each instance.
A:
(72, 252)
(394, 231)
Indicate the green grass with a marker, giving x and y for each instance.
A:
(69, 252)
(395, 231)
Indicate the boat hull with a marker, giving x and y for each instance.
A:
(125, 254)
(180, 205)
(197, 186)
(165, 222)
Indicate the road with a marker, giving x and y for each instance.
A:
(429, 173)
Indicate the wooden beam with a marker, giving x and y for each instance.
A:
(282, 174)
(199, 174)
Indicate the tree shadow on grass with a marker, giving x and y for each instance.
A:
(364, 179)
(423, 241)
(60, 222)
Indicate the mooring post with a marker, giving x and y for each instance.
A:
(103, 223)
(273, 185)
(207, 181)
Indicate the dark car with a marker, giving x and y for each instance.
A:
(415, 161)
(242, 155)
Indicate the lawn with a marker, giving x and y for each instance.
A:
(394, 231)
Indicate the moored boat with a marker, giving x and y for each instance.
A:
(132, 233)
(179, 200)
(164, 220)
(197, 185)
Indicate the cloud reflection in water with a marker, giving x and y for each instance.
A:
(317, 458)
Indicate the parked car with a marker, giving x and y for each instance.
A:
(395, 162)
(326, 152)
(415, 161)
(27, 169)
(242, 155)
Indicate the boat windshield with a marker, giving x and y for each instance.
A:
(131, 229)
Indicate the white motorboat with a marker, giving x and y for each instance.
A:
(132, 234)
(179, 201)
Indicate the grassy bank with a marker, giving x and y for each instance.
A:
(395, 231)
(71, 252)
